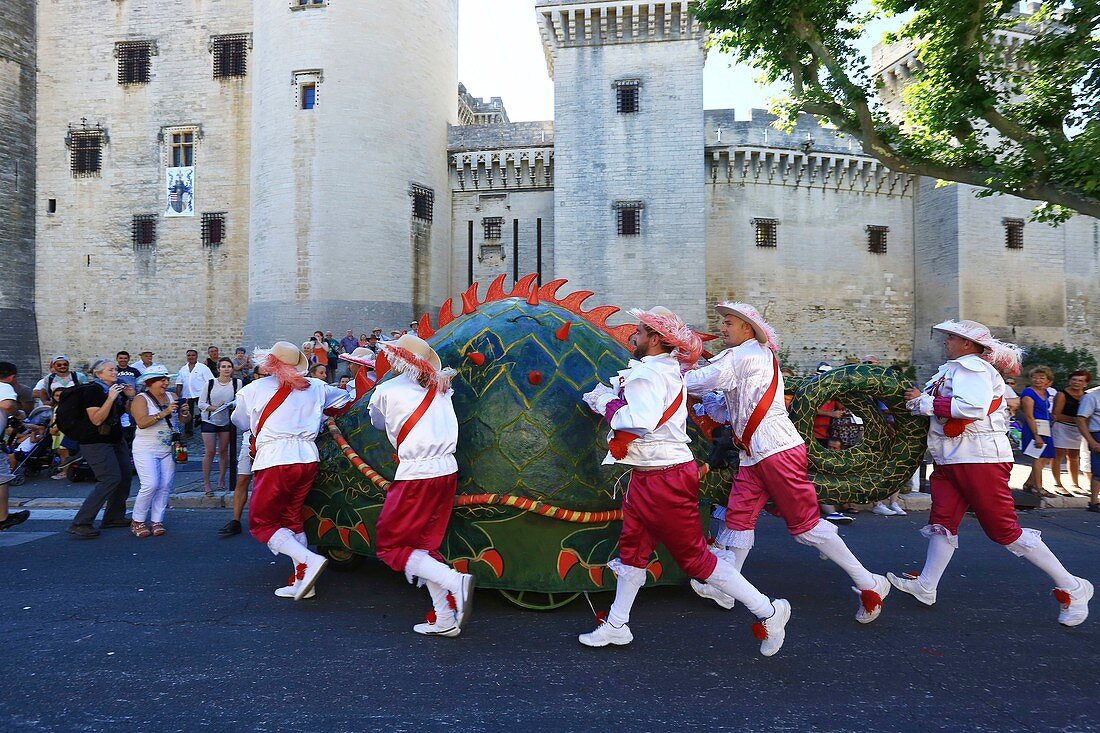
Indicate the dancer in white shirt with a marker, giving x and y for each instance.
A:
(415, 410)
(647, 412)
(283, 412)
(973, 462)
(774, 462)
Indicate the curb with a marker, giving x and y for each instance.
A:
(182, 500)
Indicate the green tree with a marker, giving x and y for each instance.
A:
(1025, 122)
(1061, 360)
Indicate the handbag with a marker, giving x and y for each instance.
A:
(179, 448)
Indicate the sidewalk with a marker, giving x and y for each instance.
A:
(44, 493)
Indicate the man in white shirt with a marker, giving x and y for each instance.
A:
(60, 376)
(9, 404)
(647, 412)
(973, 462)
(190, 382)
(146, 362)
(774, 461)
(283, 412)
(415, 410)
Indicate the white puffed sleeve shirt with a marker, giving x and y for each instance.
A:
(429, 448)
(649, 387)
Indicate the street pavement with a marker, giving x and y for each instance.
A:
(182, 633)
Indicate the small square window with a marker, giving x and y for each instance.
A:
(143, 231)
(493, 226)
(213, 229)
(628, 218)
(766, 232)
(876, 239)
(230, 55)
(134, 61)
(1014, 233)
(309, 95)
(423, 202)
(626, 96)
(85, 151)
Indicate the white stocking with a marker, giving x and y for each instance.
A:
(629, 580)
(940, 550)
(727, 579)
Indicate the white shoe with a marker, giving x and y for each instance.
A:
(870, 601)
(433, 629)
(914, 588)
(1075, 605)
(896, 508)
(291, 587)
(883, 510)
(606, 634)
(464, 600)
(706, 590)
(308, 576)
(771, 631)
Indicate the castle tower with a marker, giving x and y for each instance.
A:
(350, 204)
(629, 177)
(17, 160)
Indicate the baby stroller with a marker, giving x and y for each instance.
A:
(40, 457)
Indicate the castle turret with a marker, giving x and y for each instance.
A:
(350, 199)
(17, 160)
(628, 120)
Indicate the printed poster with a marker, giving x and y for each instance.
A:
(180, 188)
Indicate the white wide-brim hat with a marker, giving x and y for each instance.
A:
(155, 372)
(413, 356)
(288, 354)
(361, 356)
(765, 334)
(1004, 356)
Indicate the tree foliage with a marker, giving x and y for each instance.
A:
(1061, 360)
(1024, 121)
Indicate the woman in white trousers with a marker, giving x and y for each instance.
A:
(153, 455)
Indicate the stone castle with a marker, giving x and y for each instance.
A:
(337, 180)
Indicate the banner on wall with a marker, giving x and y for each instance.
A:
(180, 187)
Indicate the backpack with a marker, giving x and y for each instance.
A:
(237, 384)
(71, 418)
(49, 383)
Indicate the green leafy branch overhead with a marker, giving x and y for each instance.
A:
(1006, 102)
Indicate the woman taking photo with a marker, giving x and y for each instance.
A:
(215, 425)
(1067, 438)
(1035, 427)
(153, 456)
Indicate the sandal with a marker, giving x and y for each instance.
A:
(139, 529)
(158, 529)
(208, 493)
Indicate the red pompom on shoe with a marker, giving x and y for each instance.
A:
(300, 570)
(870, 600)
(451, 602)
(429, 617)
(290, 581)
(601, 616)
(1062, 597)
(759, 631)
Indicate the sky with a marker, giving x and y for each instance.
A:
(500, 55)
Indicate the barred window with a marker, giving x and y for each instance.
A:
(766, 232)
(1014, 233)
(876, 239)
(230, 55)
(85, 150)
(628, 218)
(626, 96)
(143, 231)
(493, 226)
(134, 61)
(309, 96)
(213, 229)
(423, 202)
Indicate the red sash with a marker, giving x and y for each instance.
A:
(621, 440)
(744, 440)
(414, 418)
(956, 426)
(273, 404)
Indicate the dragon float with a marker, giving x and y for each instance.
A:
(537, 516)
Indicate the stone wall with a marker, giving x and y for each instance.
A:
(96, 293)
(334, 242)
(17, 173)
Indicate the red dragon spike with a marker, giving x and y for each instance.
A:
(622, 333)
(549, 291)
(533, 297)
(523, 285)
(424, 328)
(563, 333)
(496, 289)
(600, 315)
(445, 314)
(469, 299)
(572, 302)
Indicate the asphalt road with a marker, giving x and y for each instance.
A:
(182, 633)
